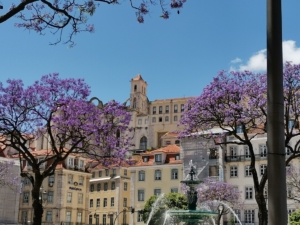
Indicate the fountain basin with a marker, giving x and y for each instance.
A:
(190, 215)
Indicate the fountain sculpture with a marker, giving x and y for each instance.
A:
(192, 216)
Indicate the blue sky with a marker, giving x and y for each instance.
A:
(177, 57)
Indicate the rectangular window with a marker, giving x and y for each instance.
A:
(158, 158)
(26, 197)
(263, 168)
(80, 198)
(142, 175)
(100, 173)
(112, 201)
(106, 172)
(174, 190)
(157, 192)
(49, 216)
(141, 195)
(93, 174)
(233, 152)
(51, 180)
(248, 193)
(239, 129)
(175, 108)
(249, 216)
(153, 120)
(146, 121)
(174, 174)
(70, 179)
(247, 171)
(175, 118)
(26, 181)
(160, 119)
(140, 216)
(157, 175)
(50, 196)
(167, 109)
(105, 186)
(68, 216)
(247, 152)
(70, 162)
(125, 202)
(290, 211)
(80, 180)
(91, 203)
(263, 151)
(238, 214)
(81, 164)
(105, 202)
(92, 188)
(125, 186)
(140, 122)
(145, 159)
(98, 203)
(125, 172)
(114, 172)
(69, 197)
(104, 219)
(233, 171)
(90, 219)
(24, 217)
(182, 108)
(166, 119)
(160, 110)
(98, 187)
(79, 217)
(113, 185)
(154, 110)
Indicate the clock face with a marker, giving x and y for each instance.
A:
(75, 183)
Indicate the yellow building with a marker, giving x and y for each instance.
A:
(109, 199)
(64, 195)
(157, 172)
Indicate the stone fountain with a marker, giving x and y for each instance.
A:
(191, 216)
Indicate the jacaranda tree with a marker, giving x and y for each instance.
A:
(236, 102)
(58, 110)
(72, 15)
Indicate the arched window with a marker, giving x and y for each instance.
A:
(143, 143)
(142, 175)
(135, 87)
(174, 174)
(157, 175)
(166, 118)
(134, 103)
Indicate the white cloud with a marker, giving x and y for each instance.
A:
(236, 60)
(258, 61)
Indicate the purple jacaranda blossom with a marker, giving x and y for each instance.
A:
(56, 16)
(59, 110)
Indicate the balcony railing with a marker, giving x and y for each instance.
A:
(241, 158)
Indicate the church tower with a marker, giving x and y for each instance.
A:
(138, 95)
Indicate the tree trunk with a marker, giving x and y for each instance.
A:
(37, 200)
(262, 208)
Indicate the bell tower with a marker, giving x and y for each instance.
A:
(138, 95)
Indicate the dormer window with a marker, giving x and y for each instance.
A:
(70, 162)
(177, 157)
(145, 159)
(158, 158)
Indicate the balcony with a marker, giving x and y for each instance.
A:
(242, 158)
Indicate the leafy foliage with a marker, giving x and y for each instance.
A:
(169, 201)
(294, 219)
(58, 15)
